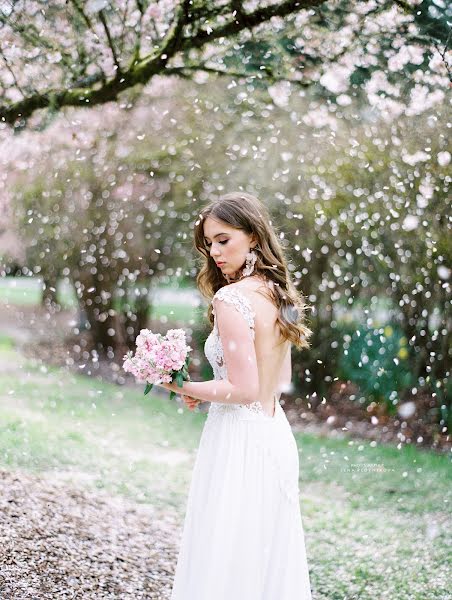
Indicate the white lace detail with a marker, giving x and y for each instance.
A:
(213, 348)
(240, 301)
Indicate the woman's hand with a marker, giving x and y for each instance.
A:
(191, 402)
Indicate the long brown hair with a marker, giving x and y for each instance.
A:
(247, 213)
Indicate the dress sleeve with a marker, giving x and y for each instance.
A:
(234, 318)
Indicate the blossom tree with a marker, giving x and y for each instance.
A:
(87, 53)
(89, 210)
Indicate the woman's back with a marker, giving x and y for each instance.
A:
(272, 351)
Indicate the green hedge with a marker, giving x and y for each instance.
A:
(377, 360)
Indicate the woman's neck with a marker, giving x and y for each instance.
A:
(247, 277)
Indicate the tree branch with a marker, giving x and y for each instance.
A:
(83, 14)
(436, 29)
(269, 76)
(103, 20)
(251, 20)
(155, 63)
(2, 54)
(30, 34)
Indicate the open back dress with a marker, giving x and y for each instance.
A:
(242, 536)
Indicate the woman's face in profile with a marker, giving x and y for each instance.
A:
(227, 246)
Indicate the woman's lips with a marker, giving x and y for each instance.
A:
(220, 264)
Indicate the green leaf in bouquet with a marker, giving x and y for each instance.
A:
(179, 379)
(148, 388)
(172, 395)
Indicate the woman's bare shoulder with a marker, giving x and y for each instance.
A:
(257, 290)
(253, 284)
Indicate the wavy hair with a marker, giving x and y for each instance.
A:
(246, 212)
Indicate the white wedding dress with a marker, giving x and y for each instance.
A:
(243, 536)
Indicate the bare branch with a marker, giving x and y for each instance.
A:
(443, 53)
(268, 77)
(124, 21)
(2, 54)
(251, 20)
(82, 13)
(103, 20)
(137, 45)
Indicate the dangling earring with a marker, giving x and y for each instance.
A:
(251, 258)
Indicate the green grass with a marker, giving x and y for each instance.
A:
(370, 535)
(6, 343)
(177, 312)
(377, 520)
(114, 437)
(26, 291)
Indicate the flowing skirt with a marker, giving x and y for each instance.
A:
(243, 536)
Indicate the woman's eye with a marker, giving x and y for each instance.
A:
(223, 242)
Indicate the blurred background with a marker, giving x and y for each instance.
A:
(97, 243)
(338, 119)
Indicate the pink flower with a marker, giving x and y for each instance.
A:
(155, 11)
(158, 359)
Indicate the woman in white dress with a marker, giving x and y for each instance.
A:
(243, 537)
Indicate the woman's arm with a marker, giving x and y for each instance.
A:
(210, 391)
(242, 385)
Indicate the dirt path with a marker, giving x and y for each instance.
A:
(59, 542)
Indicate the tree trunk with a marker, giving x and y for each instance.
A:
(102, 325)
(134, 314)
(49, 298)
(96, 303)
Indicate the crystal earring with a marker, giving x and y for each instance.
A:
(251, 258)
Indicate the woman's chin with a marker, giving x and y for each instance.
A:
(225, 270)
(233, 275)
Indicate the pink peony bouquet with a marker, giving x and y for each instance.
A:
(159, 359)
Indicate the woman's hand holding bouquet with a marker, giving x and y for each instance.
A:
(191, 402)
(160, 360)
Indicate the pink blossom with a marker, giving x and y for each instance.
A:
(158, 358)
(155, 11)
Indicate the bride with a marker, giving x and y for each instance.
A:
(243, 536)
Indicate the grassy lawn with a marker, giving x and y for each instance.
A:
(376, 518)
(109, 437)
(26, 291)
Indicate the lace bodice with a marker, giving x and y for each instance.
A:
(213, 348)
